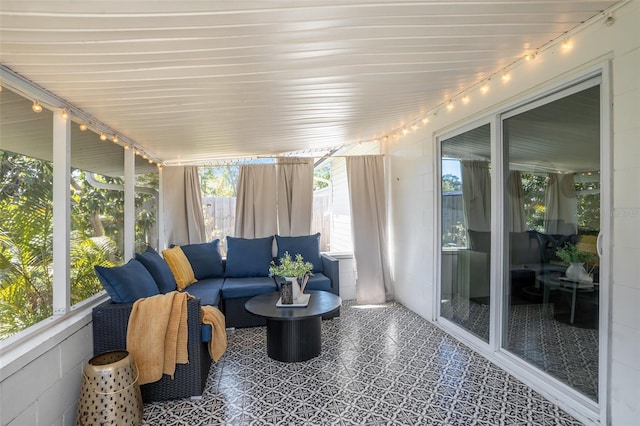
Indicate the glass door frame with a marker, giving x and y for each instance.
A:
(572, 401)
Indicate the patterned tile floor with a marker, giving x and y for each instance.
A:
(379, 366)
(565, 351)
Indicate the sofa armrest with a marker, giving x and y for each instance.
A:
(111, 321)
(331, 268)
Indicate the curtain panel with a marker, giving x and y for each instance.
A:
(295, 196)
(256, 207)
(517, 218)
(184, 220)
(561, 205)
(365, 175)
(476, 194)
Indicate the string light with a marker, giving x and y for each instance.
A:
(450, 105)
(115, 138)
(404, 131)
(506, 76)
(425, 119)
(103, 137)
(465, 99)
(64, 114)
(566, 44)
(36, 107)
(83, 127)
(484, 88)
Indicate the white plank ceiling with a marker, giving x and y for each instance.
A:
(193, 81)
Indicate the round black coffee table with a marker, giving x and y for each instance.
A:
(293, 334)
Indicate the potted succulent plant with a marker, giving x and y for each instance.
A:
(295, 270)
(576, 260)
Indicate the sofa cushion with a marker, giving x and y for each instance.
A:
(158, 268)
(205, 259)
(207, 290)
(318, 281)
(248, 257)
(308, 246)
(127, 283)
(180, 267)
(246, 287)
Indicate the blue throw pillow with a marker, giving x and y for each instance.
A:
(205, 259)
(248, 257)
(308, 246)
(158, 268)
(127, 283)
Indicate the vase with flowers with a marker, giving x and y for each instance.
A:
(294, 270)
(576, 260)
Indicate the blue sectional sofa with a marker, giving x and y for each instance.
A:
(224, 283)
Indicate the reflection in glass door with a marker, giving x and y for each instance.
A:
(552, 206)
(466, 230)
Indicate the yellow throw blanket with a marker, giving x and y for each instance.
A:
(218, 343)
(157, 335)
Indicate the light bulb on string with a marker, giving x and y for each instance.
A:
(36, 107)
(506, 76)
(83, 127)
(103, 137)
(466, 99)
(64, 114)
(450, 105)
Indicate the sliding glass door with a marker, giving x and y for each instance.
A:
(551, 206)
(466, 230)
(546, 178)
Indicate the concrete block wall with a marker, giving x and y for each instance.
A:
(42, 386)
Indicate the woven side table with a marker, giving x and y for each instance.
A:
(110, 393)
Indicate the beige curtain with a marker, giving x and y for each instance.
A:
(517, 219)
(561, 205)
(295, 196)
(184, 220)
(476, 194)
(365, 175)
(256, 215)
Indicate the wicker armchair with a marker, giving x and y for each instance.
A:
(110, 322)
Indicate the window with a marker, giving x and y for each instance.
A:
(26, 252)
(26, 213)
(146, 204)
(218, 185)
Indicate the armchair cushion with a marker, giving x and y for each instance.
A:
(248, 257)
(180, 267)
(205, 259)
(127, 283)
(158, 268)
(308, 246)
